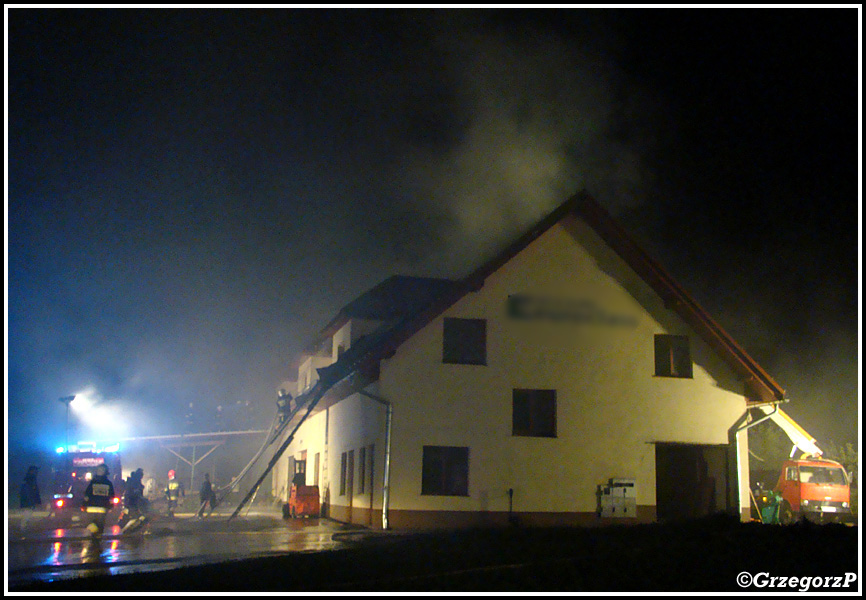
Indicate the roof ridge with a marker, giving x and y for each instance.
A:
(614, 235)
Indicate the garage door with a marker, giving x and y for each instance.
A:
(691, 480)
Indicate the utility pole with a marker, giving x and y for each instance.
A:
(67, 400)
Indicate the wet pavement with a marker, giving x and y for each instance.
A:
(36, 551)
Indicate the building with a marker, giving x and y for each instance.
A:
(569, 380)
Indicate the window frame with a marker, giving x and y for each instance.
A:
(454, 348)
(540, 408)
(343, 467)
(667, 364)
(452, 463)
(362, 469)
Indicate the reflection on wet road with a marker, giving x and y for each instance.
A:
(52, 554)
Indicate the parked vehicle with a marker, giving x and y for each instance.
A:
(73, 470)
(816, 489)
(810, 487)
(303, 502)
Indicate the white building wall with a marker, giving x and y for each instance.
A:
(342, 340)
(308, 374)
(357, 422)
(310, 437)
(610, 406)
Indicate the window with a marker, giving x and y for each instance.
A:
(362, 469)
(822, 475)
(445, 471)
(350, 476)
(464, 342)
(343, 465)
(533, 413)
(371, 453)
(673, 358)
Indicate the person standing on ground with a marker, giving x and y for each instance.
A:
(30, 497)
(206, 496)
(173, 492)
(98, 498)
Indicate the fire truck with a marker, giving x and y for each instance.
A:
(809, 487)
(73, 469)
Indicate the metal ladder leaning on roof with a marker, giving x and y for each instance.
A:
(305, 403)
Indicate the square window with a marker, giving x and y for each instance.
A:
(673, 358)
(464, 341)
(533, 413)
(445, 471)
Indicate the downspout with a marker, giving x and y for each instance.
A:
(742, 424)
(387, 476)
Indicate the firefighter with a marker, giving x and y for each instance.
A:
(173, 492)
(134, 502)
(206, 496)
(284, 406)
(30, 497)
(98, 498)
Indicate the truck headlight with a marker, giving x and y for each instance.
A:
(844, 505)
(805, 503)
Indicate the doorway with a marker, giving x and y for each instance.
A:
(691, 480)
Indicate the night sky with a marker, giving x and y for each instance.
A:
(193, 194)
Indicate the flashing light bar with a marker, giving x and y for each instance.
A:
(90, 447)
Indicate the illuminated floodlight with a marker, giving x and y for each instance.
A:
(60, 450)
(82, 402)
(115, 447)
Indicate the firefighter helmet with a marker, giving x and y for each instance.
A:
(171, 474)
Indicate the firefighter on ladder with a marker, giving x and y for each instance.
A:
(173, 492)
(97, 500)
(284, 406)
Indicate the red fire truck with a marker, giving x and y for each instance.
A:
(810, 487)
(73, 471)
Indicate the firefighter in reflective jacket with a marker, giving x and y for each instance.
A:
(173, 492)
(98, 498)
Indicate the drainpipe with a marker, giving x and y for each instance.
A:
(742, 424)
(387, 477)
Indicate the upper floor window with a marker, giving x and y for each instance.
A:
(464, 341)
(673, 358)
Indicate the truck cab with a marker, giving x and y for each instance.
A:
(73, 471)
(813, 488)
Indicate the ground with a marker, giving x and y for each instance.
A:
(704, 555)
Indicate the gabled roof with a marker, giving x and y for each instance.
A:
(390, 300)
(398, 296)
(385, 342)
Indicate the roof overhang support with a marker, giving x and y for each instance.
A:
(744, 423)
